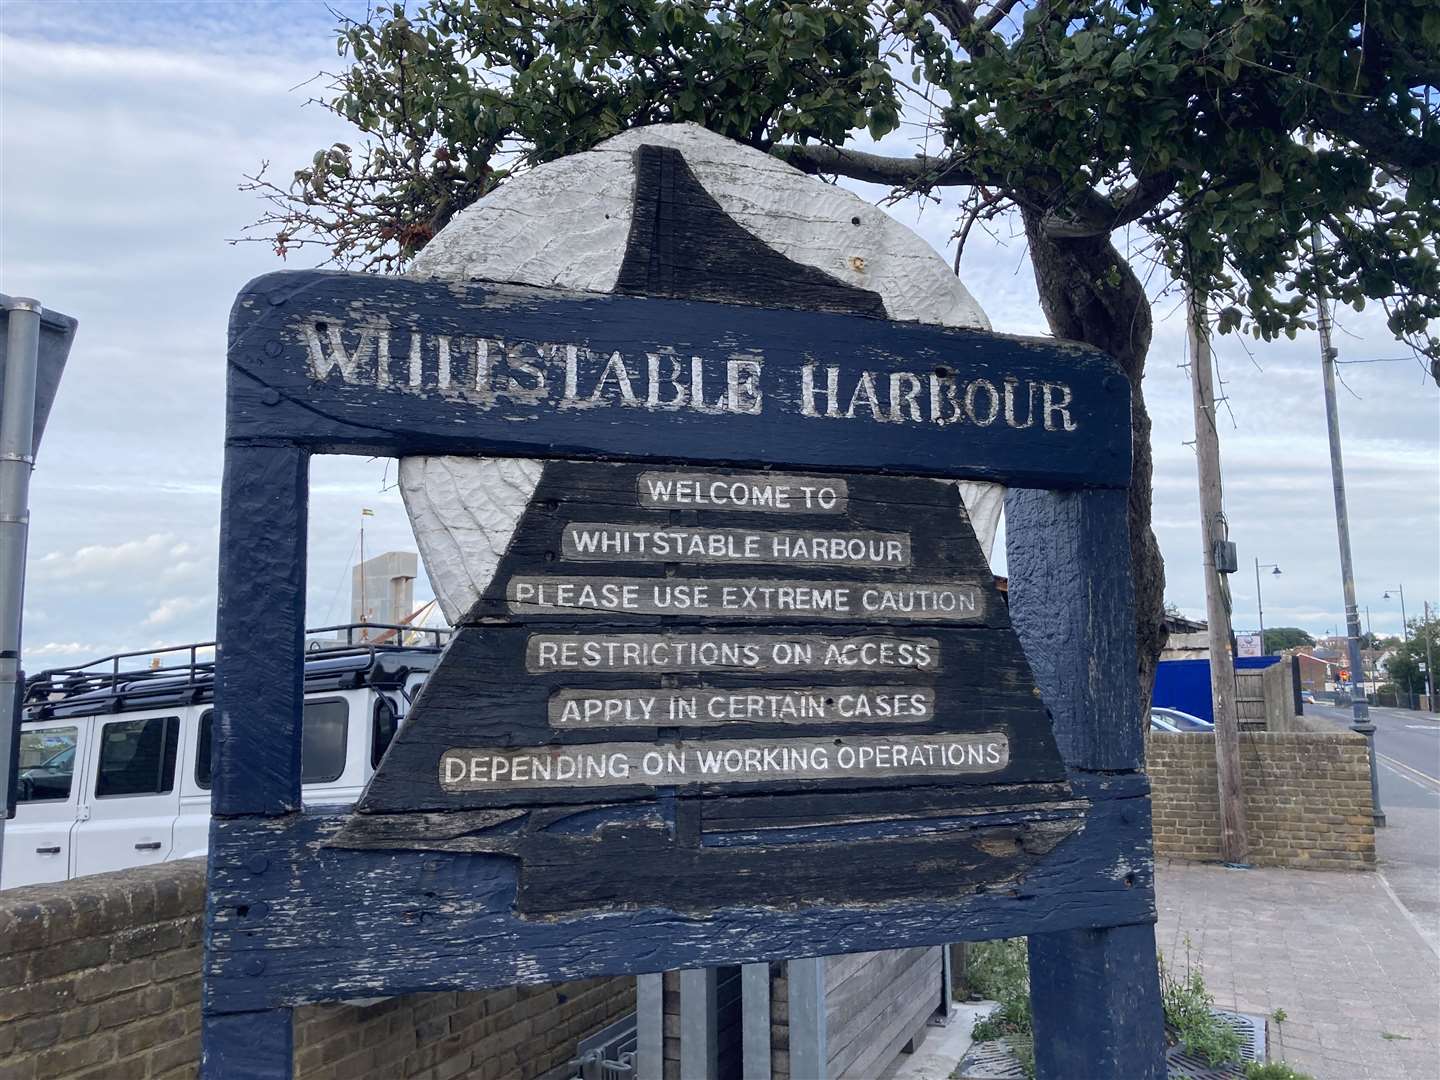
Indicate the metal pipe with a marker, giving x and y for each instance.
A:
(1360, 706)
(17, 448)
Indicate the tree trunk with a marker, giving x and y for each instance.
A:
(1089, 293)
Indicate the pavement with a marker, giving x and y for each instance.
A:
(1358, 982)
(1407, 751)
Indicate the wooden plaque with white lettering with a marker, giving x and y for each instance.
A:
(695, 689)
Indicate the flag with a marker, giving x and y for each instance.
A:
(364, 512)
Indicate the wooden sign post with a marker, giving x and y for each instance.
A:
(731, 682)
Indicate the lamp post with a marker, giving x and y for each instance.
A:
(1404, 622)
(1429, 659)
(1259, 604)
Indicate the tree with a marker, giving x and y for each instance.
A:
(1261, 152)
(1407, 666)
(1285, 637)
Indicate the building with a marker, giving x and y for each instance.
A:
(1315, 672)
(1189, 639)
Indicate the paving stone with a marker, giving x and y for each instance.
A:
(1331, 948)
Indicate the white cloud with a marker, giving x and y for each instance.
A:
(62, 649)
(177, 606)
(102, 561)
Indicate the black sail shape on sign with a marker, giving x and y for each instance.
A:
(678, 685)
(683, 246)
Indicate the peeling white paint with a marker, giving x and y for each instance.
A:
(565, 225)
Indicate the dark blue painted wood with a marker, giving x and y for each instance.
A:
(334, 923)
(1071, 602)
(272, 394)
(260, 630)
(1094, 992)
(1095, 998)
(259, 694)
(247, 1046)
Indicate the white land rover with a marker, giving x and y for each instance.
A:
(114, 765)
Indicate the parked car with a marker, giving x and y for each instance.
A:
(1307, 697)
(1175, 720)
(115, 764)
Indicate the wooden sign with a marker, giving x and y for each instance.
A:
(883, 727)
(732, 680)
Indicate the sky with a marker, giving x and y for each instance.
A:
(125, 131)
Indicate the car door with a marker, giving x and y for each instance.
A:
(192, 826)
(131, 793)
(39, 839)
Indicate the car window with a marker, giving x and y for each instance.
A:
(47, 764)
(382, 728)
(322, 742)
(137, 757)
(202, 749)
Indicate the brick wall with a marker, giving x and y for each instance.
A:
(100, 978)
(1307, 798)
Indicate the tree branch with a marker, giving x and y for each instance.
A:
(996, 15)
(1388, 146)
(956, 16)
(1099, 216)
(918, 173)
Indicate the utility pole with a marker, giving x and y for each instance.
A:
(1360, 707)
(1234, 844)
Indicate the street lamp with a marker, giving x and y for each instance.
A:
(1259, 604)
(1404, 622)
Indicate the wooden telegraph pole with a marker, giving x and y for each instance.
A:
(1233, 841)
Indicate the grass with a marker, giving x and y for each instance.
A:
(1189, 1005)
(1273, 1070)
(1000, 971)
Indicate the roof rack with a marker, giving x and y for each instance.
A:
(174, 669)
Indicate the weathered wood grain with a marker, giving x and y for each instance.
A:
(1071, 601)
(1096, 1003)
(260, 628)
(1095, 993)
(385, 366)
(337, 920)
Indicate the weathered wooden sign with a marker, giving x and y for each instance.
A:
(597, 713)
(732, 679)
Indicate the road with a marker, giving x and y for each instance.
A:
(1407, 749)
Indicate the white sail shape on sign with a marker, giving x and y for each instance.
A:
(566, 225)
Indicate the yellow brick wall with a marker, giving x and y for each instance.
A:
(1307, 798)
(100, 980)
